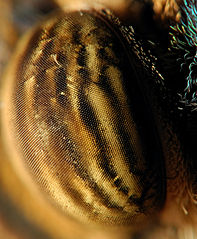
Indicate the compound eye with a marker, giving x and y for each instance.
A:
(78, 120)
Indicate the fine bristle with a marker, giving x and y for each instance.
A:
(185, 39)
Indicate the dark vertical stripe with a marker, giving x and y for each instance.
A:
(124, 137)
(76, 34)
(90, 121)
(102, 54)
(82, 56)
(75, 161)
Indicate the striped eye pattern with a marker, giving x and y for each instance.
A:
(98, 121)
(81, 122)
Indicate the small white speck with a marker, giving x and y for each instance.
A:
(185, 210)
(62, 93)
(55, 59)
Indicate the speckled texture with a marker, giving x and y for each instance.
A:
(92, 128)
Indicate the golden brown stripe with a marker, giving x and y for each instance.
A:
(78, 128)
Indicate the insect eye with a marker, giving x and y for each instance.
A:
(80, 122)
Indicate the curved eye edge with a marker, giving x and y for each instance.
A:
(134, 93)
